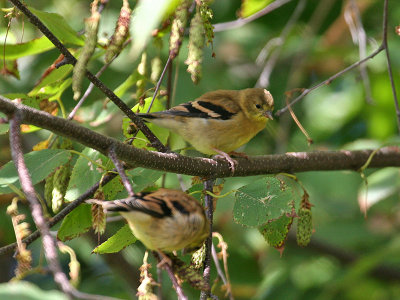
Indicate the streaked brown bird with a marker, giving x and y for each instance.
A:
(218, 122)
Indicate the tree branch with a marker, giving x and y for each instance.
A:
(204, 167)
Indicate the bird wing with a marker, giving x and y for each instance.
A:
(147, 203)
(213, 105)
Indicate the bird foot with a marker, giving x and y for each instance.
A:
(238, 154)
(165, 260)
(226, 156)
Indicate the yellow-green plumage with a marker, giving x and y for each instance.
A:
(218, 121)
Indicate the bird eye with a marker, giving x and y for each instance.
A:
(258, 106)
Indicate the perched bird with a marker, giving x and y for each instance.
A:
(218, 122)
(165, 220)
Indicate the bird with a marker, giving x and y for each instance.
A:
(218, 122)
(164, 220)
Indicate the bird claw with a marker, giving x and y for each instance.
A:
(230, 160)
(238, 154)
(165, 260)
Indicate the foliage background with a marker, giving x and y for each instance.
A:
(336, 116)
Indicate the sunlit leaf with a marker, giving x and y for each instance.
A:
(36, 46)
(140, 139)
(250, 7)
(117, 242)
(59, 27)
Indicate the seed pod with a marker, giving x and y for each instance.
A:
(178, 28)
(121, 32)
(91, 30)
(196, 44)
(191, 275)
(304, 222)
(48, 189)
(98, 219)
(60, 184)
(156, 68)
(141, 83)
(198, 257)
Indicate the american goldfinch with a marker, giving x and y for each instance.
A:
(218, 122)
(165, 220)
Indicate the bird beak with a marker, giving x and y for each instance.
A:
(268, 114)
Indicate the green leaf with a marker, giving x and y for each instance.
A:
(140, 140)
(75, 223)
(59, 27)
(85, 173)
(250, 7)
(9, 68)
(143, 178)
(23, 290)
(262, 201)
(40, 165)
(54, 83)
(276, 231)
(381, 185)
(113, 188)
(36, 46)
(117, 242)
(197, 190)
(4, 128)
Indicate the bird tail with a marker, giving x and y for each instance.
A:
(148, 116)
(117, 205)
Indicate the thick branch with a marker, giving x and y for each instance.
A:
(205, 167)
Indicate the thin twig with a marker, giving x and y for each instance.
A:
(243, 21)
(88, 91)
(49, 245)
(159, 283)
(121, 171)
(57, 218)
(69, 58)
(353, 20)
(91, 85)
(159, 83)
(219, 271)
(171, 275)
(330, 79)
(389, 66)
(263, 80)
(208, 202)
